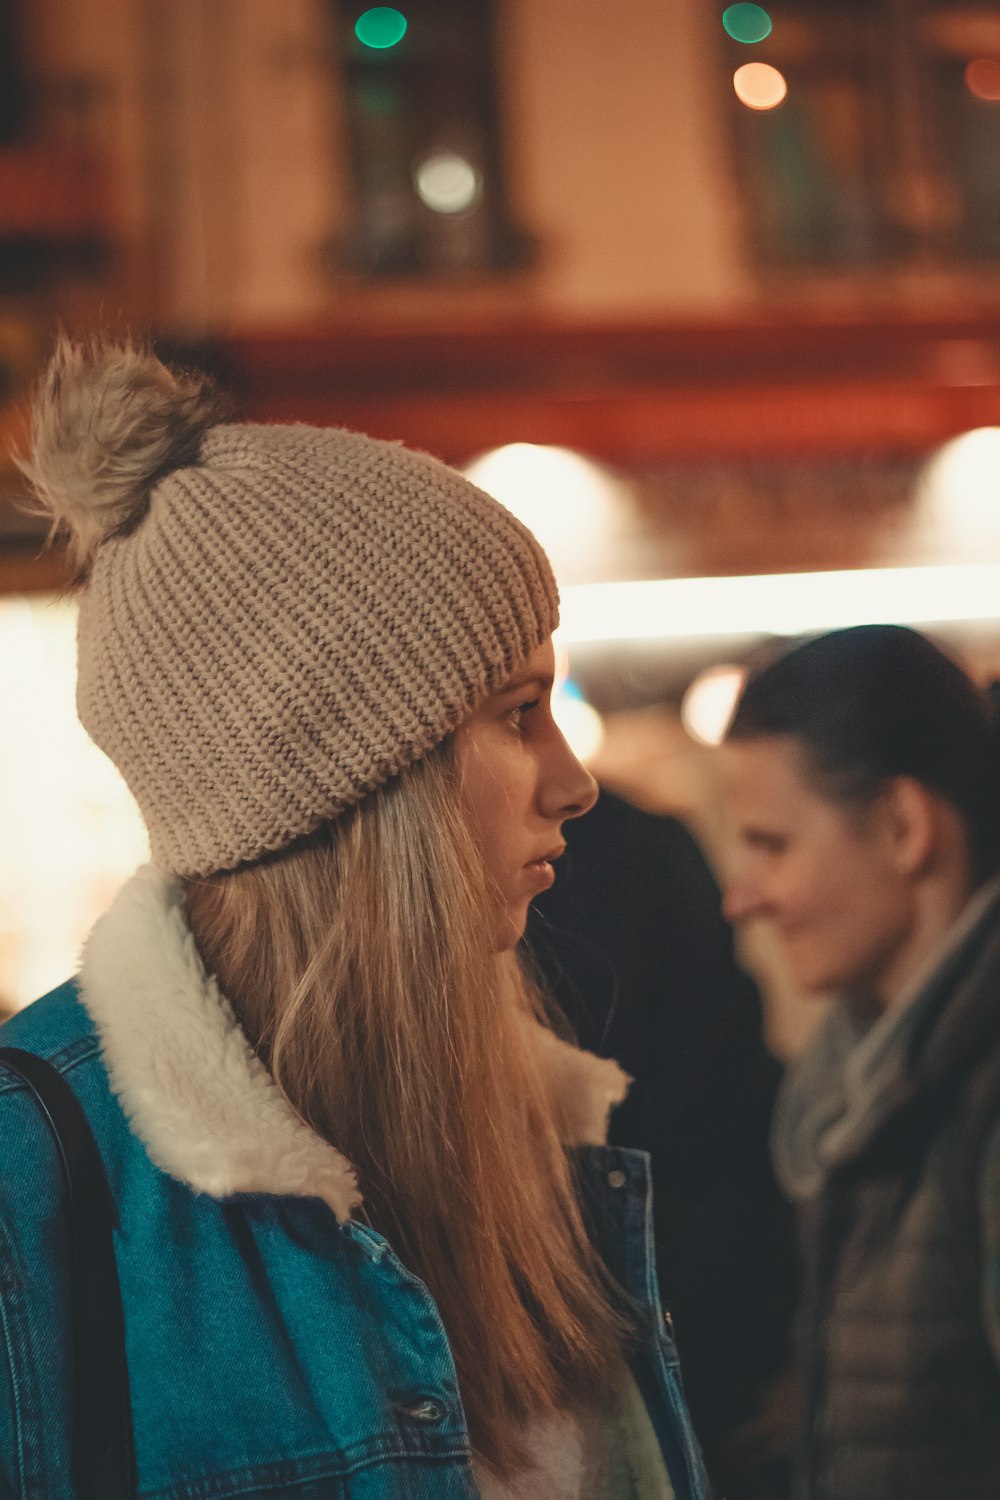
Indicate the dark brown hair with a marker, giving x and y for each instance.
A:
(877, 701)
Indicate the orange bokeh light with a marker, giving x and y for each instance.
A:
(759, 86)
(982, 79)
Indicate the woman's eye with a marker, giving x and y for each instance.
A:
(516, 715)
(769, 843)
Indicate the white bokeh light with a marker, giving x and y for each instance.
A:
(957, 509)
(709, 703)
(70, 832)
(573, 506)
(446, 182)
(581, 724)
(778, 603)
(758, 85)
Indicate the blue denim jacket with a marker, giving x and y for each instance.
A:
(272, 1350)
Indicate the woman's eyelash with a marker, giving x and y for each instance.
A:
(515, 714)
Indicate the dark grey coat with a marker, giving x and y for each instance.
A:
(896, 1170)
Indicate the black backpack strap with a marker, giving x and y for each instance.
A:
(103, 1450)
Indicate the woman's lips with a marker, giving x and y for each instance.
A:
(542, 872)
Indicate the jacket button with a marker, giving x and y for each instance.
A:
(426, 1411)
(617, 1178)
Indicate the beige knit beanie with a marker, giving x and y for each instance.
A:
(273, 620)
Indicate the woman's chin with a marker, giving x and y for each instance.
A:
(815, 979)
(509, 929)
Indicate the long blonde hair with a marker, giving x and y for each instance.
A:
(357, 963)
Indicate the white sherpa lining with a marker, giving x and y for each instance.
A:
(200, 1099)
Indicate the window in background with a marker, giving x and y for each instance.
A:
(963, 45)
(423, 129)
(56, 172)
(883, 149)
(13, 88)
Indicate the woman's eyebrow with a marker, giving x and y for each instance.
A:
(519, 684)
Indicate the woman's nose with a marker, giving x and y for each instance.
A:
(571, 789)
(584, 792)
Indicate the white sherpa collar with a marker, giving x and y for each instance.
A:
(200, 1099)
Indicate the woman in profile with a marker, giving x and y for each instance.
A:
(862, 781)
(356, 1257)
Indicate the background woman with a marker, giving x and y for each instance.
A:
(301, 1036)
(863, 787)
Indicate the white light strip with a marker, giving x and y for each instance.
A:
(778, 603)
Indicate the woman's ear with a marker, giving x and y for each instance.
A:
(911, 824)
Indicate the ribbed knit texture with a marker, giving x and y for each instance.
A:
(297, 618)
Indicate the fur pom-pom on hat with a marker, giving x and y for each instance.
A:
(108, 421)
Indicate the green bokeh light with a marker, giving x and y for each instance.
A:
(383, 27)
(747, 23)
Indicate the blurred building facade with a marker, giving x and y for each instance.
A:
(238, 164)
(526, 220)
(224, 134)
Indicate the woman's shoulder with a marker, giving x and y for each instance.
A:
(56, 1027)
